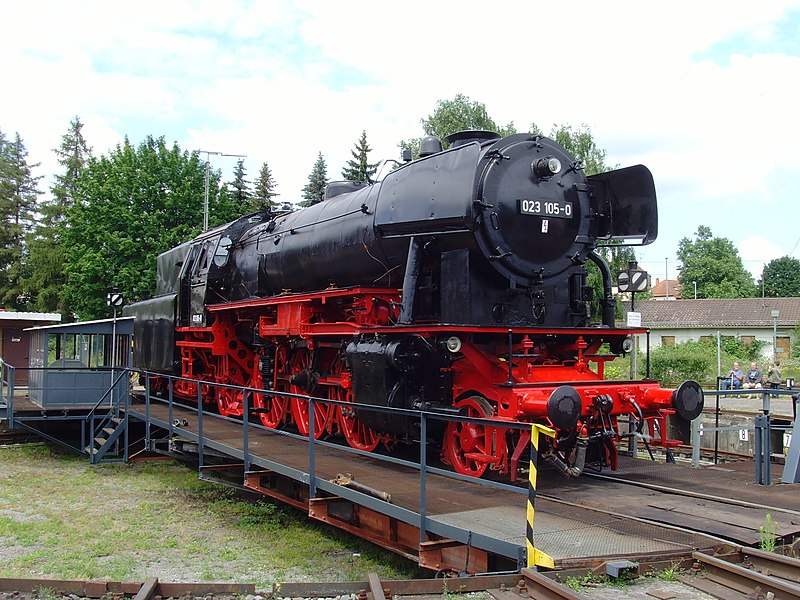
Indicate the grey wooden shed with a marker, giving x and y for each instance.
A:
(73, 365)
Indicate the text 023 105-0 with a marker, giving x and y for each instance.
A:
(546, 208)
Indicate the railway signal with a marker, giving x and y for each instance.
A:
(114, 298)
(633, 280)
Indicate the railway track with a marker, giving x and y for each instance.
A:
(748, 573)
(731, 573)
(152, 587)
(527, 584)
(666, 489)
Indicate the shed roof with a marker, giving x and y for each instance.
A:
(11, 315)
(122, 325)
(717, 312)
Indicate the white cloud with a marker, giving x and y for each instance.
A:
(756, 252)
(281, 81)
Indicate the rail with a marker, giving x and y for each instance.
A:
(518, 585)
(753, 572)
(138, 590)
(526, 584)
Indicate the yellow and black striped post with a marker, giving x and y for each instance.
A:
(536, 558)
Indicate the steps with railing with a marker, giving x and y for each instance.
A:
(105, 439)
(106, 429)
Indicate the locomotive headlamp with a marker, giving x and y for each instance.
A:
(546, 167)
(453, 344)
(627, 345)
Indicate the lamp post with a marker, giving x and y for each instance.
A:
(695, 289)
(666, 278)
(775, 314)
(208, 154)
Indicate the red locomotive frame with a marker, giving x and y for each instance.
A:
(296, 329)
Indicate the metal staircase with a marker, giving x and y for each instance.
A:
(106, 445)
(106, 429)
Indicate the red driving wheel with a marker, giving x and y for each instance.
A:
(322, 412)
(271, 407)
(470, 447)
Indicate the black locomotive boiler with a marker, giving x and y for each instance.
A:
(456, 284)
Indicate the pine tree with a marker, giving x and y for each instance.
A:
(359, 168)
(239, 187)
(262, 198)
(47, 278)
(314, 191)
(18, 196)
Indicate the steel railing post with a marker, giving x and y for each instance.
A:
(170, 395)
(716, 425)
(10, 391)
(535, 556)
(423, 478)
(147, 413)
(767, 452)
(246, 429)
(199, 426)
(762, 450)
(312, 482)
(91, 441)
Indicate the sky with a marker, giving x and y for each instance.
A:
(704, 93)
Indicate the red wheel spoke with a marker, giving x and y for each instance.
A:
(471, 448)
(299, 406)
(357, 434)
(272, 407)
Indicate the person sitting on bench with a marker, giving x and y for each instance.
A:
(733, 380)
(754, 377)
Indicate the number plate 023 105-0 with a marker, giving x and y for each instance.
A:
(557, 209)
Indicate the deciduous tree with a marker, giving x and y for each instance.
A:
(579, 142)
(129, 207)
(781, 277)
(715, 265)
(458, 114)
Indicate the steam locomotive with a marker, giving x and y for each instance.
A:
(455, 285)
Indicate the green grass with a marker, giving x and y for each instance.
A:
(62, 518)
(767, 534)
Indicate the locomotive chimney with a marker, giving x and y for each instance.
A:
(459, 138)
